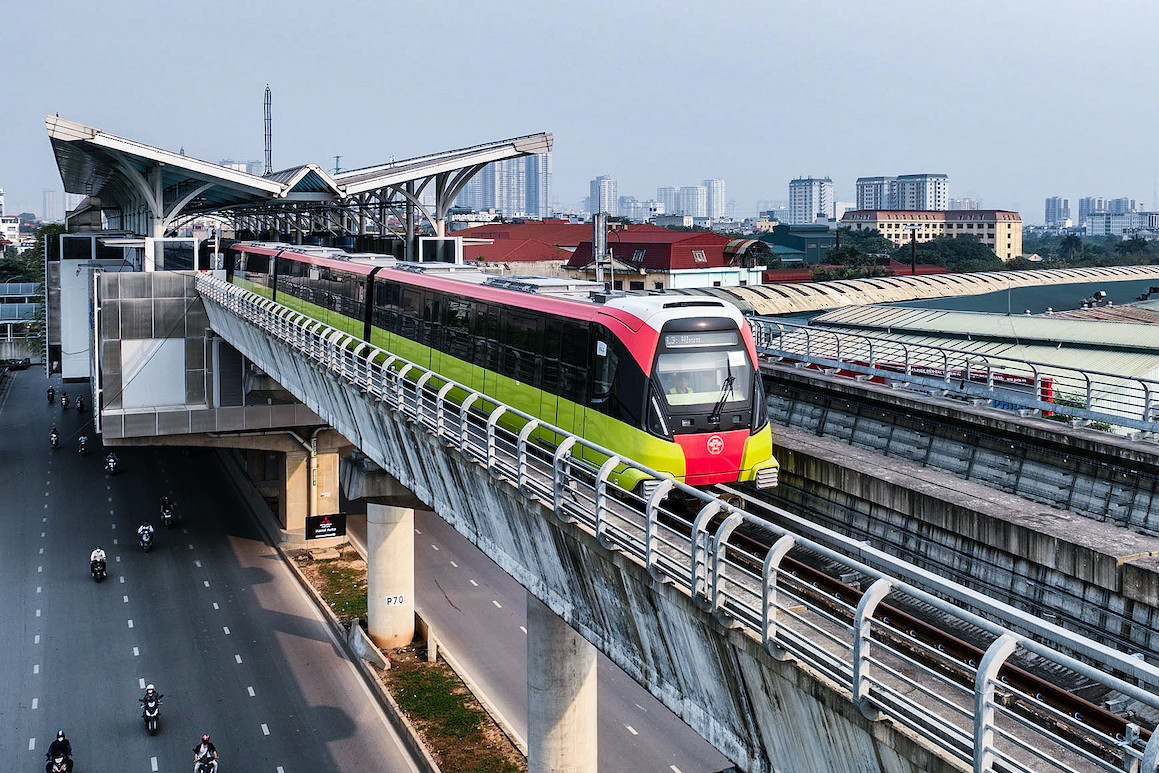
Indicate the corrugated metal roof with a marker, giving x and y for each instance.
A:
(1052, 330)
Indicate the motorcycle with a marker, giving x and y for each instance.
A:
(150, 712)
(111, 465)
(51, 395)
(167, 515)
(80, 405)
(82, 445)
(97, 569)
(205, 764)
(146, 540)
(58, 764)
(64, 401)
(54, 439)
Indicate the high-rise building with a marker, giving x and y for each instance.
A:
(1090, 205)
(692, 200)
(603, 196)
(667, 197)
(50, 205)
(1121, 206)
(876, 192)
(966, 203)
(810, 198)
(514, 187)
(717, 205)
(1, 201)
(1057, 211)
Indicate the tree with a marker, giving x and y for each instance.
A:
(849, 255)
(1136, 245)
(1071, 246)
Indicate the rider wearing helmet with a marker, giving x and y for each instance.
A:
(59, 748)
(150, 694)
(203, 750)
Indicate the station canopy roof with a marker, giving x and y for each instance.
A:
(120, 172)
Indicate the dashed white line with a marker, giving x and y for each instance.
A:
(280, 769)
(197, 564)
(42, 551)
(675, 769)
(153, 763)
(206, 582)
(475, 583)
(418, 531)
(454, 565)
(226, 629)
(141, 682)
(130, 622)
(36, 639)
(631, 730)
(191, 547)
(251, 691)
(31, 744)
(523, 629)
(110, 498)
(114, 525)
(39, 588)
(118, 558)
(215, 606)
(136, 652)
(38, 613)
(42, 534)
(36, 669)
(436, 547)
(40, 568)
(35, 703)
(126, 598)
(497, 604)
(265, 730)
(237, 658)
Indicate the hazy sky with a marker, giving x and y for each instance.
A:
(1014, 100)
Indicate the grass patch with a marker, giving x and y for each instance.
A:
(342, 584)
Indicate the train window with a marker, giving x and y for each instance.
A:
(256, 263)
(487, 339)
(386, 306)
(409, 312)
(606, 361)
(521, 338)
(619, 385)
(573, 362)
(550, 370)
(457, 321)
(433, 320)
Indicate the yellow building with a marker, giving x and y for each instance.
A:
(998, 229)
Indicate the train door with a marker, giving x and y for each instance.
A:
(573, 376)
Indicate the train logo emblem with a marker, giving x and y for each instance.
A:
(715, 445)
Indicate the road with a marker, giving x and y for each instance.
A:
(211, 616)
(479, 614)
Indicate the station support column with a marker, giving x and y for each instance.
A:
(561, 695)
(390, 568)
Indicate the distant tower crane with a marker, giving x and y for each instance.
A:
(269, 132)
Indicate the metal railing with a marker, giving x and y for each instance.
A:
(966, 708)
(1123, 401)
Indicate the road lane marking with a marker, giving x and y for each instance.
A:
(40, 568)
(42, 551)
(206, 583)
(122, 578)
(130, 622)
(114, 525)
(117, 557)
(237, 658)
(126, 598)
(153, 763)
(215, 606)
(454, 565)
(523, 629)
(191, 547)
(141, 682)
(475, 583)
(42, 535)
(675, 769)
(418, 531)
(251, 691)
(226, 629)
(265, 730)
(197, 564)
(114, 542)
(497, 604)
(280, 769)
(36, 669)
(38, 613)
(136, 652)
(31, 744)
(35, 703)
(631, 730)
(36, 639)
(110, 498)
(436, 547)
(38, 588)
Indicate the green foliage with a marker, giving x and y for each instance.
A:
(955, 253)
(829, 273)
(344, 589)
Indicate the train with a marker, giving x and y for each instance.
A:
(670, 382)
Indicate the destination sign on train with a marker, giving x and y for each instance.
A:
(719, 338)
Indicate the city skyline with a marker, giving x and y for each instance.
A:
(988, 91)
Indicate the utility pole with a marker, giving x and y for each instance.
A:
(269, 131)
(336, 158)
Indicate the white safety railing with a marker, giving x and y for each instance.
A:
(1090, 395)
(736, 565)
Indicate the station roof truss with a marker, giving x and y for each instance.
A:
(152, 191)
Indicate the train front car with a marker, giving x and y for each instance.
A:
(704, 396)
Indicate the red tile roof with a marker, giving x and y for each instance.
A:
(514, 251)
(558, 232)
(660, 250)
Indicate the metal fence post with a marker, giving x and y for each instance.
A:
(521, 453)
(557, 477)
(862, 632)
(771, 566)
(652, 509)
(698, 579)
(992, 662)
(601, 497)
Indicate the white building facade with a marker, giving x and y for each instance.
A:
(717, 205)
(604, 197)
(810, 198)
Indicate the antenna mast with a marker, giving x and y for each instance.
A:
(269, 132)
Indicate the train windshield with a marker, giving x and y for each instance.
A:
(696, 375)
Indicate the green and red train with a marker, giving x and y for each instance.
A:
(668, 382)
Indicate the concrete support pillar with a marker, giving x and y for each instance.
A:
(327, 484)
(561, 695)
(390, 569)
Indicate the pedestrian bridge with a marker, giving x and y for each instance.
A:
(712, 609)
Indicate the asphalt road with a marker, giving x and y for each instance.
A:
(210, 615)
(479, 613)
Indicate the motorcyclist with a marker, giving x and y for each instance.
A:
(151, 695)
(143, 529)
(80, 405)
(64, 399)
(59, 748)
(111, 459)
(96, 557)
(205, 749)
(83, 444)
(51, 394)
(167, 511)
(54, 438)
